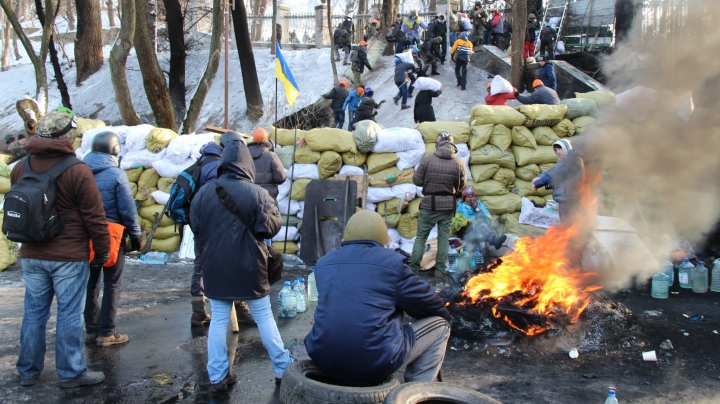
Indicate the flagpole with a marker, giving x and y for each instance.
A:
(292, 174)
(276, 99)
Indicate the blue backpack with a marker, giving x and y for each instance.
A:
(183, 191)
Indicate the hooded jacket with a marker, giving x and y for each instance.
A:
(401, 72)
(208, 172)
(498, 99)
(498, 24)
(234, 266)
(442, 176)
(462, 49)
(337, 95)
(547, 76)
(365, 110)
(541, 95)
(424, 111)
(75, 188)
(564, 179)
(358, 335)
(269, 171)
(352, 102)
(114, 186)
(360, 61)
(412, 28)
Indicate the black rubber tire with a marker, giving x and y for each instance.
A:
(420, 392)
(298, 388)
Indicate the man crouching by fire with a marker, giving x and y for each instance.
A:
(564, 179)
(471, 217)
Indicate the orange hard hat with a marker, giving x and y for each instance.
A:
(362, 43)
(360, 90)
(260, 135)
(374, 21)
(537, 83)
(488, 86)
(494, 10)
(344, 84)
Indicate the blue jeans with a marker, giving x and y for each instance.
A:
(67, 281)
(461, 72)
(339, 115)
(218, 364)
(403, 93)
(399, 48)
(453, 37)
(351, 116)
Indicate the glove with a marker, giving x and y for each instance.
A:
(100, 260)
(135, 244)
(516, 94)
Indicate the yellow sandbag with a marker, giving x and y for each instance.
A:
(145, 226)
(490, 187)
(521, 136)
(377, 162)
(525, 188)
(528, 172)
(168, 245)
(165, 232)
(392, 220)
(286, 247)
(77, 143)
(542, 115)
(4, 185)
(546, 166)
(564, 129)
(5, 258)
(5, 158)
(480, 136)
(407, 226)
(305, 155)
(329, 163)
(133, 188)
(541, 155)
(148, 213)
(5, 171)
(414, 207)
(482, 172)
(459, 130)
(429, 148)
(159, 138)
(353, 158)
(521, 230)
(545, 136)
(501, 137)
(148, 179)
(602, 98)
(144, 196)
(297, 193)
(133, 174)
(330, 139)
(490, 154)
(504, 176)
(86, 124)
(583, 124)
(390, 177)
(482, 114)
(285, 137)
(497, 205)
(164, 184)
(391, 207)
(539, 200)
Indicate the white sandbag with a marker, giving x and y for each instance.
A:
(161, 197)
(393, 140)
(433, 233)
(301, 210)
(370, 206)
(410, 158)
(304, 171)
(418, 192)
(144, 158)
(403, 191)
(426, 83)
(169, 169)
(407, 244)
(137, 137)
(187, 245)
(88, 136)
(394, 235)
(464, 154)
(379, 194)
(538, 217)
(80, 154)
(179, 149)
(292, 234)
(200, 142)
(560, 48)
(406, 57)
(501, 86)
(350, 170)
(284, 190)
(294, 206)
(636, 103)
(468, 173)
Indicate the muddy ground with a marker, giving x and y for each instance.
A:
(164, 362)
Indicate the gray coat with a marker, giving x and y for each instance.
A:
(542, 95)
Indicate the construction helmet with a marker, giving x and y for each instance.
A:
(443, 136)
(107, 143)
(344, 84)
(228, 137)
(530, 60)
(367, 225)
(468, 190)
(531, 16)
(537, 83)
(369, 91)
(362, 43)
(413, 14)
(415, 50)
(494, 10)
(260, 135)
(374, 21)
(488, 86)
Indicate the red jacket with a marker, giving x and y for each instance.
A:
(498, 99)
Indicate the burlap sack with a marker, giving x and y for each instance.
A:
(482, 172)
(501, 137)
(522, 136)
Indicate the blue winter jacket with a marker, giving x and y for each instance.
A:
(352, 101)
(118, 200)
(547, 76)
(364, 290)
(208, 173)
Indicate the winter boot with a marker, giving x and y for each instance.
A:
(404, 107)
(496, 241)
(345, 61)
(337, 58)
(242, 311)
(199, 316)
(396, 99)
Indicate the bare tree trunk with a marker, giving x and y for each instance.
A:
(178, 53)
(151, 16)
(16, 48)
(362, 7)
(274, 28)
(70, 14)
(261, 6)
(218, 27)
(153, 78)
(389, 10)
(432, 6)
(253, 96)
(64, 93)
(89, 40)
(6, 46)
(110, 12)
(332, 42)
(118, 59)
(519, 24)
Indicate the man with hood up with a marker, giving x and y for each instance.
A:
(234, 258)
(269, 171)
(442, 176)
(564, 179)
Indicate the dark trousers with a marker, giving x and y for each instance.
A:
(486, 37)
(497, 40)
(339, 115)
(196, 281)
(547, 45)
(102, 319)
(461, 72)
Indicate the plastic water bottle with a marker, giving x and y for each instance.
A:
(660, 286)
(312, 287)
(700, 278)
(463, 261)
(155, 258)
(685, 274)
(669, 270)
(477, 258)
(300, 294)
(611, 398)
(715, 286)
(452, 259)
(287, 301)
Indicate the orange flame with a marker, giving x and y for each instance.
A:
(541, 272)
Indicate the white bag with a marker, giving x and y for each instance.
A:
(370, 206)
(283, 206)
(418, 192)
(538, 217)
(303, 171)
(392, 140)
(88, 136)
(560, 49)
(379, 194)
(161, 197)
(406, 57)
(292, 234)
(179, 148)
(411, 157)
(284, 189)
(394, 235)
(200, 142)
(168, 169)
(137, 137)
(403, 191)
(144, 158)
(501, 86)
(426, 83)
(464, 154)
(350, 170)
(187, 245)
(301, 210)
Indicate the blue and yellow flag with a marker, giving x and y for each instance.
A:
(283, 73)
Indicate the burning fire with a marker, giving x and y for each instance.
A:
(538, 278)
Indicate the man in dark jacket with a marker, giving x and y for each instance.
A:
(338, 95)
(60, 266)
(341, 37)
(442, 176)
(430, 54)
(541, 95)
(461, 52)
(269, 171)
(402, 81)
(479, 18)
(564, 179)
(547, 73)
(530, 36)
(359, 62)
(234, 258)
(424, 111)
(367, 108)
(364, 291)
(119, 206)
(440, 30)
(547, 40)
(497, 28)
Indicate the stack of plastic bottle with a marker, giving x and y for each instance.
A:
(287, 301)
(300, 294)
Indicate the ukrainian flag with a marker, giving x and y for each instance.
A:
(283, 73)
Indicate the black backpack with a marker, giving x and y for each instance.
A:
(184, 189)
(30, 212)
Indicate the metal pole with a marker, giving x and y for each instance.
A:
(276, 108)
(292, 173)
(227, 65)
